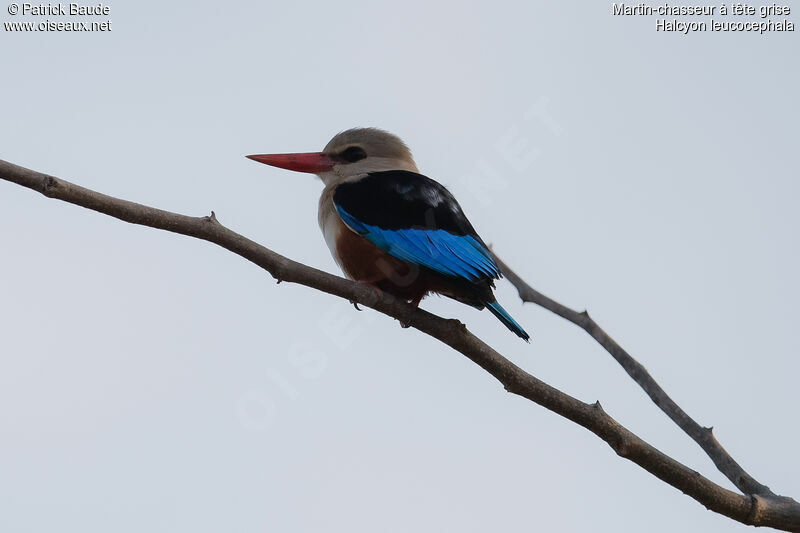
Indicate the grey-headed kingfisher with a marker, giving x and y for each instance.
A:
(391, 227)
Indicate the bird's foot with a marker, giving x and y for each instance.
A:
(415, 302)
(378, 294)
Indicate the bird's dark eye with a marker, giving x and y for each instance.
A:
(353, 154)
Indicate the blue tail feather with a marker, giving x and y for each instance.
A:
(498, 311)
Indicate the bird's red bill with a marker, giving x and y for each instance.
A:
(313, 162)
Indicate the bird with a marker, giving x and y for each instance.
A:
(391, 227)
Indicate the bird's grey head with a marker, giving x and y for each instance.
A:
(360, 143)
(362, 150)
(350, 155)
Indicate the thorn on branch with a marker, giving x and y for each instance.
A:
(457, 324)
(212, 218)
(596, 405)
(48, 185)
(756, 510)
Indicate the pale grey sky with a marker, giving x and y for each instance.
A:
(151, 382)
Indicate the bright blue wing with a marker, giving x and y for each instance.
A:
(461, 256)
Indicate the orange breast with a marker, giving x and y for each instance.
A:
(363, 261)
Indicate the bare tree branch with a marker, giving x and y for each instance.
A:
(777, 512)
(702, 435)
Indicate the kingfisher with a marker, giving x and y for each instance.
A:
(390, 227)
